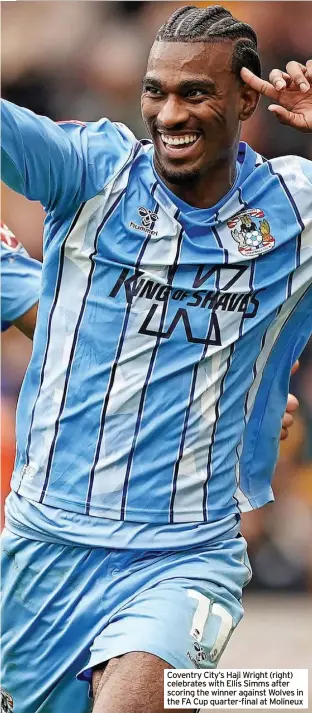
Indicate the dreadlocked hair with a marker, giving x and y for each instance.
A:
(214, 24)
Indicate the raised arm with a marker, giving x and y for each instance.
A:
(38, 158)
(61, 165)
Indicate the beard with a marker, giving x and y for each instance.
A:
(175, 176)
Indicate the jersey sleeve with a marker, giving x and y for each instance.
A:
(20, 279)
(63, 164)
(306, 166)
(301, 190)
(262, 434)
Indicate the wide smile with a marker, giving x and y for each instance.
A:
(181, 146)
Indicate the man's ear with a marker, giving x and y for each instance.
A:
(249, 102)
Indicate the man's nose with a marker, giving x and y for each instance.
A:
(173, 112)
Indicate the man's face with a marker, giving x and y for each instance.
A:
(191, 105)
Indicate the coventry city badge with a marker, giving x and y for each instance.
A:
(252, 234)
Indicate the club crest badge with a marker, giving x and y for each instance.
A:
(251, 230)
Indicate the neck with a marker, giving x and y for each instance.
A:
(206, 189)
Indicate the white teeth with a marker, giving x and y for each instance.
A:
(179, 140)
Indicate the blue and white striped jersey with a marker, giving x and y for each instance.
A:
(20, 278)
(163, 331)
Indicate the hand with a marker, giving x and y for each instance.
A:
(292, 405)
(292, 89)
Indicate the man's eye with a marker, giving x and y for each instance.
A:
(152, 90)
(196, 93)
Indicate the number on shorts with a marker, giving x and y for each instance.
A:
(203, 609)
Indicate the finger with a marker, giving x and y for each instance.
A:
(260, 85)
(279, 79)
(297, 121)
(292, 403)
(309, 69)
(295, 367)
(284, 434)
(288, 420)
(298, 72)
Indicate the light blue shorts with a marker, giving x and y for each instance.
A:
(67, 609)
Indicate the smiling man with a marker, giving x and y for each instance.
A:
(191, 114)
(176, 296)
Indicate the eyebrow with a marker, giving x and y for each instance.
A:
(184, 85)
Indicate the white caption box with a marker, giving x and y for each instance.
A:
(227, 689)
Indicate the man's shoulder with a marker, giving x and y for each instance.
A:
(106, 148)
(293, 168)
(101, 133)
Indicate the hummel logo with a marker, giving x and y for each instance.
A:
(148, 217)
(148, 220)
(200, 653)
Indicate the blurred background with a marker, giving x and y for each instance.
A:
(83, 60)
